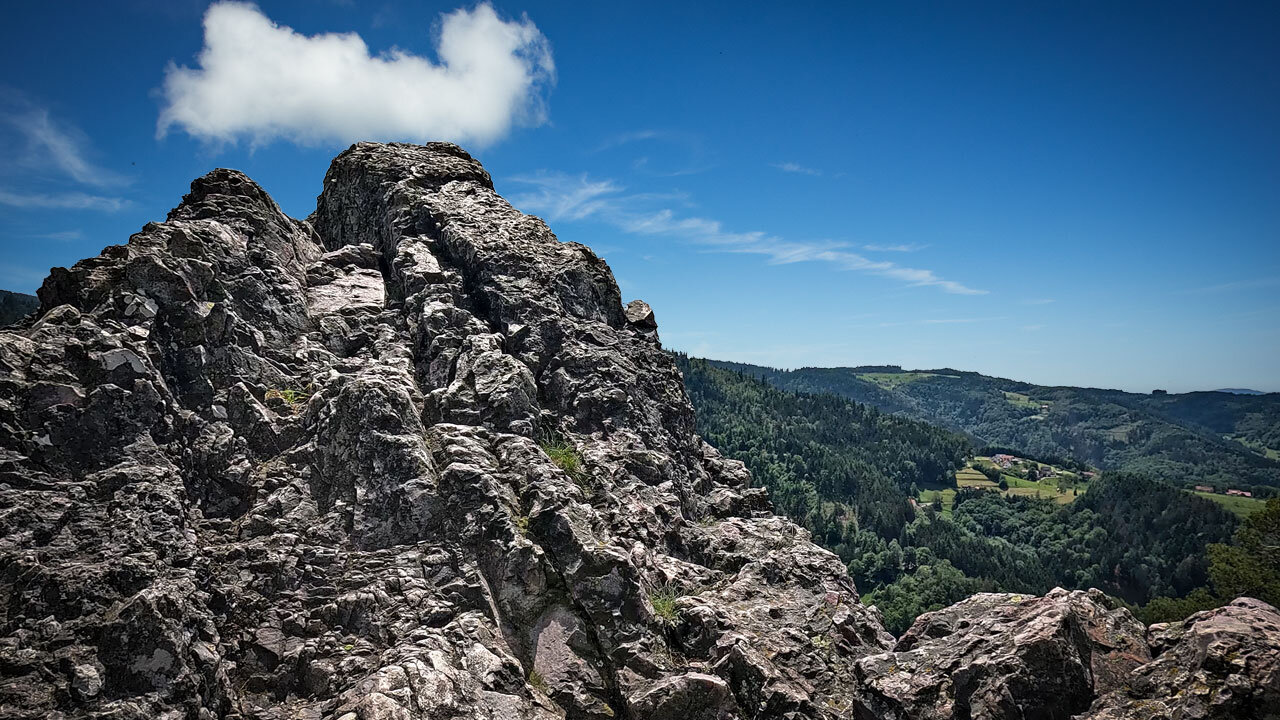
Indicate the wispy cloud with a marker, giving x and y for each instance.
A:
(627, 138)
(567, 197)
(561, 196)
(682, 153)
(45, 155)
(1038, 301)
(259, 80)
(797, 168)
(60, 236)
(64, 201)
(955, 321)
(64, 147)
(905, 248)
(1250, 284)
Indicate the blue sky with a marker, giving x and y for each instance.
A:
(1071, 193)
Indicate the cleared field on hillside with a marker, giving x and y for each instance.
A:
(1046, 489)
(1121, 433)
(1020, 400)
(948, 498)
(971, 477)
(1241, 506)
(892, 381)
(1263, 450)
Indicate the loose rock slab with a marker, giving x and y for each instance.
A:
(1215, 665)
(999, 656)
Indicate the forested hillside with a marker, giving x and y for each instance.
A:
(825, 459)
(15, 306)
(849, 473)
(1209, 438)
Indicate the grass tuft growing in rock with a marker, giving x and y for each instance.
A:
(538, 682)
(292, 398)
(564, 456)
(522, 524)
(663, 600)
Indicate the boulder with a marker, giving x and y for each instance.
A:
(999, 656)
(640, 315)
(1221, 664)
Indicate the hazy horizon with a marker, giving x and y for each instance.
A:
(907, 368)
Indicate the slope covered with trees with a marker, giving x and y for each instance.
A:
(15, 306)
(1207, 438)
(1248, 566)
(850, 473)
(826, 460)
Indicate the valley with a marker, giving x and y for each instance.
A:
(924, 515)
(271, 466)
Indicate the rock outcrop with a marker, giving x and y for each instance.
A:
(413, 458)
(1219, 664)
(410, 458)
(1001, 656)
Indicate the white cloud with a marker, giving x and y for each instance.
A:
(258, 80)
(797, 168)
(575, 197)
(62, 200)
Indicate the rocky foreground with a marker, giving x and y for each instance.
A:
(412, 458)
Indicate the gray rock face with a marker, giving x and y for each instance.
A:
(412, 459)
(257, 467)
(640, 315)
(1001, 656)
(1217, 664)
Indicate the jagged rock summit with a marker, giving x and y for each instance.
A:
(412, 458)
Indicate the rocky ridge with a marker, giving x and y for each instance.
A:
(413, 458)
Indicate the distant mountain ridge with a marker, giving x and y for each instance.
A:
(1240, 391)
(14, 306)
(1214, 438)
